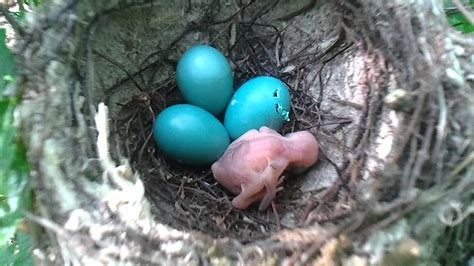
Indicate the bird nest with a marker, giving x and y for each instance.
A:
(385, 88)
(188, 198)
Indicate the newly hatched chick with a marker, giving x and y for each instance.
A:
(252, 165)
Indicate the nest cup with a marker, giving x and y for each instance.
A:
(258, 41)
(367, 100)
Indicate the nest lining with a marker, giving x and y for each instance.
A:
(259, 42)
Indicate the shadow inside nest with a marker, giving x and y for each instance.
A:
(189, 197)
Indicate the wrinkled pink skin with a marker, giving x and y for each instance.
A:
(252, 165)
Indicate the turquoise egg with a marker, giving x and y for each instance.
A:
(190, 135)
(204, 78)
(261, 101)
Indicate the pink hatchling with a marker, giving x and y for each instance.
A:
(252, 165)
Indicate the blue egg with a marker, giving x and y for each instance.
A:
(261, 101)
(190, 135)
(204, 78)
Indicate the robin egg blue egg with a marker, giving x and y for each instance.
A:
(190, 135)
(261, 101)
(204, 78)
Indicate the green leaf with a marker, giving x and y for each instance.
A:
(17, 252)
(19, 16)
(6, 60)
(14, 197)
(13, 175)
(460, 23)
(15, 246)
(21, 4)
(33, 3)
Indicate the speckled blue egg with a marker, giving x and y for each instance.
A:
(204, 78)
(190, 135)
(261, 101)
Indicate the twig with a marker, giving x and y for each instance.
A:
(120, 66)
(405, 179)
(440, 131)
(337, 43)
(144, 146)
(422, 154)
(347, 121)
(11, 20)
(464, 11)
(300, 11)
(464, 164)
(102, 124)
(277, 217)
(453, 214)
(47, 224)
(348, 103)
(415, 118)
